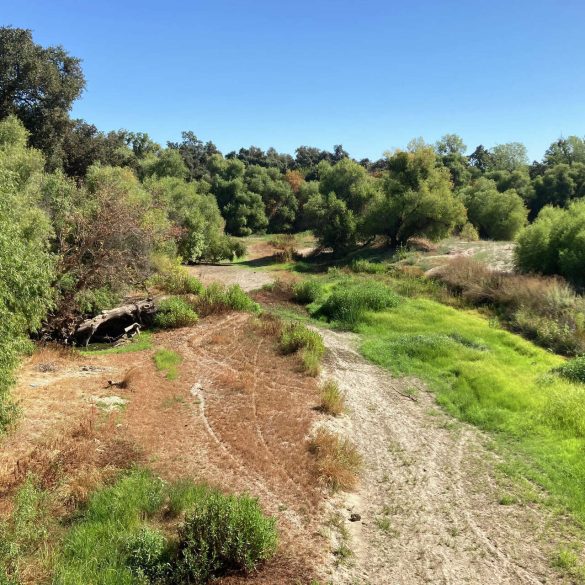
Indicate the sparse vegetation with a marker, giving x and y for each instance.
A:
(167, 361)
(337, 461)
(332, 398)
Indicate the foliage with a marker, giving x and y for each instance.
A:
(360, 265)
(39, 85)
(417, 199)
(306, 291)
(555, 244)
(349, 301)
(559, 185)
(496, 215)
(114, 540)
(217, 298)
(26, 264)
(174, 312)
(573, 370)
(224, 533)
(297, 338)
(173, 278)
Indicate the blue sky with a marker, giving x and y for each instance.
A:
(368, 74)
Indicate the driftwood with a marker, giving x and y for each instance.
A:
(115, 324)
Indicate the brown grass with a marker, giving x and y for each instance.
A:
(421, 245)
(332, 398)
(47, 354)
(337, 461)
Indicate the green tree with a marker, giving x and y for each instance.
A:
(496, 215)
(26, 265)
(508, 157)
(243, 210)
(39, 85)
(565, 151)
(196, 154)
(558, 186)
(451, 152)
(417, 198)
(167, 163)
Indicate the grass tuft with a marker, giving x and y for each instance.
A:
(174, 312)
(337, 460)
(332, 398)
(167, 361)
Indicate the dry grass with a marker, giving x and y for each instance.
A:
(332, 398)
(337, 461)
(47, 354)
(421, 245)
(269, 325)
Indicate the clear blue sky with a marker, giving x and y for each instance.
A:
(367, 74)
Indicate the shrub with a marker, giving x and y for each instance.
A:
(91, 302)
(174, 312)
(177, 282)
(573, 370)
(349, 303)
(216, 298)
(306, 291)
(555, 244)
(337, 460)
(147, 555)
(332, 398)
(295, 337)
(360, 265)
(224, 533)
(469, 233)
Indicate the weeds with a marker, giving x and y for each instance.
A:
(167, 361)
(306, 291)
(127, 534)
(360, 265)
(332, 398)
(337, 460)
(573, 370)
(297, 338)
(349, 302)
(218, 299)
(174, 312)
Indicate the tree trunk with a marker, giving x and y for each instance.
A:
(114, 324)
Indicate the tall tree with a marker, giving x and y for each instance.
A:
(39, 85)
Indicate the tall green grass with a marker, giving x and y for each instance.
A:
(128, 535)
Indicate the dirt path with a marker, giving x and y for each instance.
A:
(248, 278)
(429, 500)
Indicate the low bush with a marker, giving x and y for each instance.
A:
(224, 533)
(147, 555)
(332, 398)
(348, 303)
(172, 278)
(469, 233)
(174, 312)
(359, 265)
(216, 298)
(337, 460)
(296, 337)
(114, 540)
(306, 291)
(92, 301)
(573, 370)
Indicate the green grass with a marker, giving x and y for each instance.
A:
(128, 534)
(167, 361)
(485, 376)
(141, 342)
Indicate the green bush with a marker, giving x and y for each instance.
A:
(573, 370)
(306, 291)
(555, 244)
(296, 336)
(224, 533)
(360, 265)
(349, 302)
(147, 555)
(178, 282)
(174, 312)
(217, 298)
(91, 302)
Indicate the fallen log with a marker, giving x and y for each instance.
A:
(112, 325)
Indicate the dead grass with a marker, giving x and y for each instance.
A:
(421, 245)
(337, 461)
(53, 354)
(332, 398)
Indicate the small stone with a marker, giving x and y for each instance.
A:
(355, 517)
